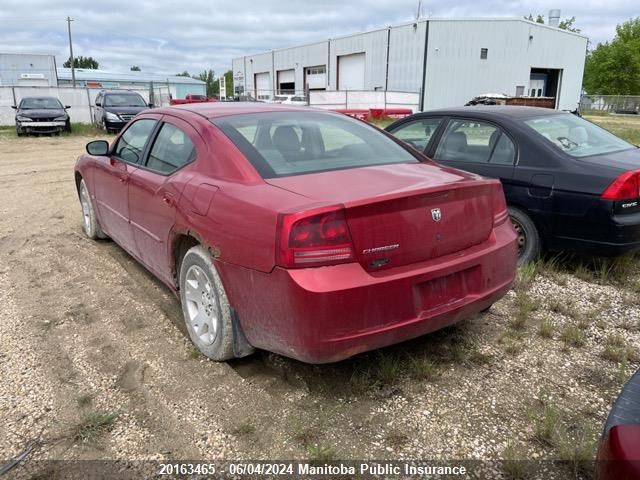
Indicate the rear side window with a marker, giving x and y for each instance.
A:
(171, 150)
(476, 142)
(131, 144)
(280, 144)
(418, 133)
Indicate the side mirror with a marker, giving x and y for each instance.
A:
(67, 106)
(98, 104)
(98, 147)
(15, 107)
(151, 105)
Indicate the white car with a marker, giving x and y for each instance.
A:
(289, 100)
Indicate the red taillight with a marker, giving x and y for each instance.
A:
(312, 239)
(625, 187)
(500, 213)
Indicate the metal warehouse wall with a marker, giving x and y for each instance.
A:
(455, 73)
(13, 65)
(374, 46)
(406, 57)
(299, 58)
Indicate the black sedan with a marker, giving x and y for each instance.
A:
(570, 185)
(41, 115)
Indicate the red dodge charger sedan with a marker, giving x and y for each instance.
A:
(298, 231)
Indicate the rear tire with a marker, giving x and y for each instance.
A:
(529, 243)
(90, 225)
(205, 307)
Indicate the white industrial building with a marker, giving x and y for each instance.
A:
(443, 62)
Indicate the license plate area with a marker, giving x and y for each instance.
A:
(447, 290)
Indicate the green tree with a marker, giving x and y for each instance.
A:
(209, 78)
(135, 68)
(566, 24)
(613, 68)
(82, 62)
(183, 74)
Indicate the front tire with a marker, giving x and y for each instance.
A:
(90, 225)
(205, 306)
(529, 243)
(19, 132)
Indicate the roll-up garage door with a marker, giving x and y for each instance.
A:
(263, 86)
(351, 72)
(286, 81)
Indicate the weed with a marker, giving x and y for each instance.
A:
(526, 275)
(396, 438)
(524, 305)
(388, 369)
(572, 336)
(245, 428)
(546, 424)
(513, 347)
(85, 400)
(617, 350)
(321, 453)
(194, 352)
(91, 425)
(424, 368)
(545, 329)
(512, 464)
(576, 446)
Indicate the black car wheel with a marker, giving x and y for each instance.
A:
(67, 127)
(19, 131)
(529, 244)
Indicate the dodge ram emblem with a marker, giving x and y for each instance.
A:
(436, 214)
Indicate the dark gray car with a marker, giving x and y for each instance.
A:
(114, 108)
(41, 115)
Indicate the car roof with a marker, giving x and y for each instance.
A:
(119, 92)
(223, 109)
(497, 111)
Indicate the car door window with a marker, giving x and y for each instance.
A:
(417, 133)
(467, 141)
(171, 150)
(130, 146)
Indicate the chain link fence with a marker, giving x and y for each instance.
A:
(619, 104)
(81, 100)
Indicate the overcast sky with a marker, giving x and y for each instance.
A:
(163, 36)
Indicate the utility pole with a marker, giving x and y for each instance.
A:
(73, 71)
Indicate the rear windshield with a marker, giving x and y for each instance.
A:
(281, 144)
(124, 100)
(576, 136)
(45, 103)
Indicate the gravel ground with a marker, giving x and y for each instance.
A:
(94, 362)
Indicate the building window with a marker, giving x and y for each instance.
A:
(483, 53)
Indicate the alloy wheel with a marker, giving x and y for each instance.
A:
(202, 305)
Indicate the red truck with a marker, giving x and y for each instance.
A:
(191, 98)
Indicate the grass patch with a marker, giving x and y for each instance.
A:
(91, 426)
(396, 439)
(572, 336)
(617, 350)
(320, 454)
(526, 275)
(86, 130)
(525, 304)
(194, 352)
(424, 368)
(545, 329)
(512, 465)
(85, 400)
(245, 428)
(576, 445)
(545, 425)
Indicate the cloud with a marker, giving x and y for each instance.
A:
(166, 37)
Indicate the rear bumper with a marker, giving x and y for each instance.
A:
(326, 314)
(616, 235)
